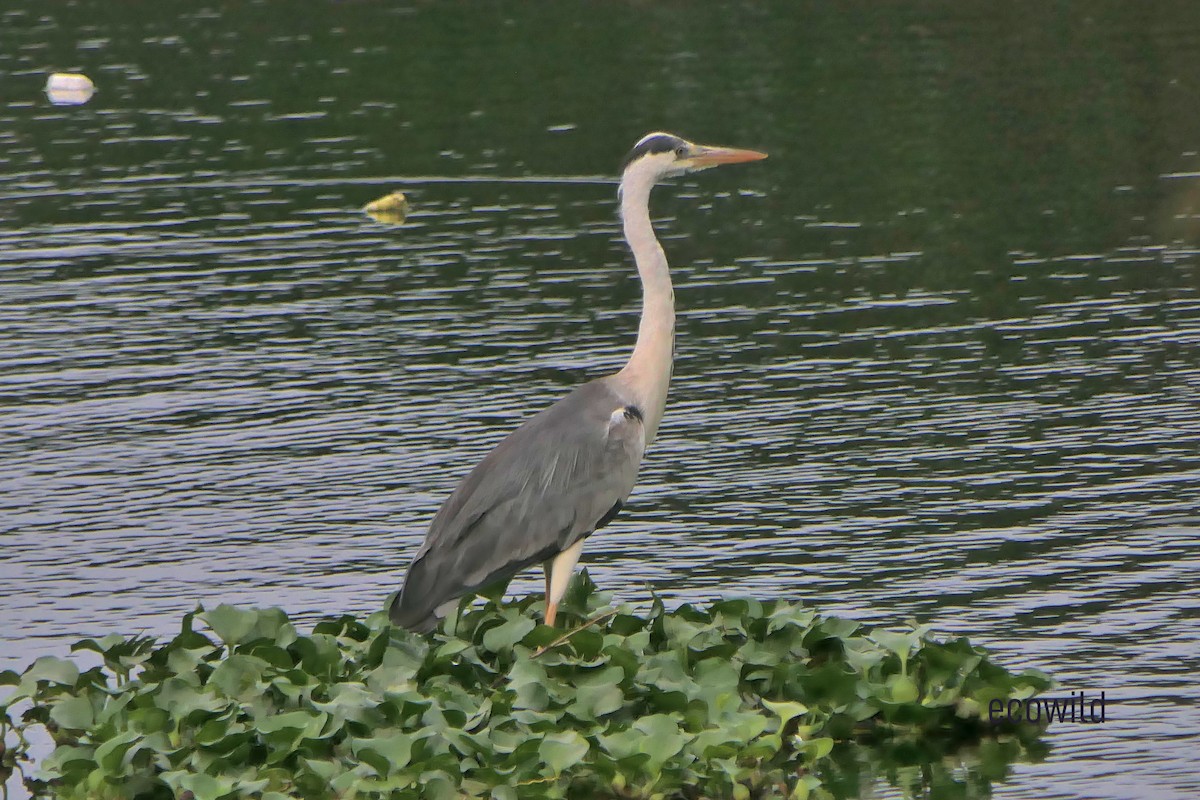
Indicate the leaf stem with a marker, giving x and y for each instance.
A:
(598, 618)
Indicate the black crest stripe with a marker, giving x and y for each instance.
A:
(654, 143)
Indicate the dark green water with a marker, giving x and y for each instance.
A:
(938, 357)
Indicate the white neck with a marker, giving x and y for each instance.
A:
(648, 372)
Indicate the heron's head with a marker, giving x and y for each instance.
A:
(664, 155)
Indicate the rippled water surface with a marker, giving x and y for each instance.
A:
(938, 357)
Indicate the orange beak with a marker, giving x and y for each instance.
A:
(703, 157)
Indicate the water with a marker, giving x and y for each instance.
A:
(938, 357)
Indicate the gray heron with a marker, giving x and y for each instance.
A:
(567, 470)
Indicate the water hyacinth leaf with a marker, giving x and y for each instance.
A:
(670, 701)
(559, 751)
(305, 722)
(899, 643)
(587, 643)
(681, 630)
(622, 744)
(804, 788)
(320, 654)
(111, 644)
(790, 616)
(180, 696)
(716, 743)
(336, 626)
(717, 673)
(110, 754)
(661, 738)
(348, 701)
(74, 712)
(504, 637)
(23, 691)
(506, 741)
(817, 748)
(479, 717)
(67, 759)
(386, 753)
(53, 670)
(405, 651)
(204, 787)
(704, 701)
(752, 652)
(149, 719)
(239, 675)
(526, 671)
(862, 656)
(230, 624)
(735, 608)
(346, 783)
(606, 677)
(626, 624)
(624, 659)
(745, 726)
(593, 701)
(438, 785)
(541, 636)
(214, 730)
(580, 591)
(763, 747)
(271, 653)
(786, 711)
(326, 771)
(450, 649)
(530, 697)
(503, 792)
(722, 705)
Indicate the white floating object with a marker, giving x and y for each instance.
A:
(69, 89)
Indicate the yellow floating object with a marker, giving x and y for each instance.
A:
(391, 208)
(69, 88)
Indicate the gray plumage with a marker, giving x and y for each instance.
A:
(548, 484)
(567, 470)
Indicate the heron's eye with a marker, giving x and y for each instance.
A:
(680, 151)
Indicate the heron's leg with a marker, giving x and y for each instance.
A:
(558, 576)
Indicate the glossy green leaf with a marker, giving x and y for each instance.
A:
(505, 636)
(304, 721)
(786, 711)
(387, 753)
(692, 701)
(74, 712)
(898, 643)
(67, 760)
(662, 738)
(231, 624)
(205, 787)
(110, 754)
(239, 675)
(561, 751)
(818, 748)
(54, 670)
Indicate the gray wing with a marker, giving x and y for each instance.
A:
(561, 475)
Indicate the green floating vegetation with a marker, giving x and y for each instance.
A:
(739, 699)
